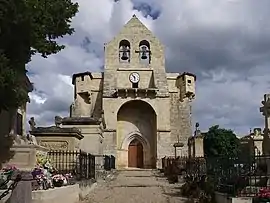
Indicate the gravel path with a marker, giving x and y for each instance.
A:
(140, 186)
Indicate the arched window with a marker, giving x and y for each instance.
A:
(145, 52)
(124, 51)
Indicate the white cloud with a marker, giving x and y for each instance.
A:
(225, 43)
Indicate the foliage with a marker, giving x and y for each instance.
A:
(5, 144)
(28, 27)
(220, 142)
(10, 86)
(200, 188)
(5, 175)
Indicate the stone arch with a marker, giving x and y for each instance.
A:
(132, 136)
(139, 100)
(124, 51)
(145, 52)
(144, 43)
(137, 119)
(136, 136)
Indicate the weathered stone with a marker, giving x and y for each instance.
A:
(23, 191)
(111, 111)
(25, 156)
(58, 138)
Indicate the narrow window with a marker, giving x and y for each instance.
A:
(189, 81)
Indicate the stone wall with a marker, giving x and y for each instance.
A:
(185, 124)
(169, 94)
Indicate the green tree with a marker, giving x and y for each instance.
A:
(220, 142)
(27, 27)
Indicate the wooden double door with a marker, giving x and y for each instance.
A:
(135, 154)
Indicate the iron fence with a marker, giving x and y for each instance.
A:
(80, 164)
(109, 162)
(236, 176)
(239, 176)
(184, 165)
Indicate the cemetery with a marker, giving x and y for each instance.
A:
(118, 127)
(244, 177)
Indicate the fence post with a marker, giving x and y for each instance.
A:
(80, 164)
(93, 166)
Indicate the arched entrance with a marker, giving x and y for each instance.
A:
(136, 135)
(135, 154)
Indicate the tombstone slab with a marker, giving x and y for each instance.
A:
(57, 138)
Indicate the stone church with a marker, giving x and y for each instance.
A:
(134, 110)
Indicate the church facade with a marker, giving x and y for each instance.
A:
(134, 110)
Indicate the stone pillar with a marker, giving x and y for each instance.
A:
(195, 146)
(23, 191)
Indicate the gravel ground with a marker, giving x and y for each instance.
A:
(140, 186)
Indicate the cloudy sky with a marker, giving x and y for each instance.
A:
(226, 43)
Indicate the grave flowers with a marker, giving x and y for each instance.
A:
(42, 177)
(42, 173)
(264, 195)
(5, 175)
(59, 180)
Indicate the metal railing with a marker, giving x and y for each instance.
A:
(236, 176)
(80, 164)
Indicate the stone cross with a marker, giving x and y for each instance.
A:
(265, 110)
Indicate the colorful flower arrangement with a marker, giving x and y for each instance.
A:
(5, 175)
(59, 180)
(43, 172)
(9, 168)
(264, 193)
(263, 196)
(46, 175)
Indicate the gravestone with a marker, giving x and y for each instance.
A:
(195, 145)
(57, 138)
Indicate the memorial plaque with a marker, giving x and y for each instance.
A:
(56, 145)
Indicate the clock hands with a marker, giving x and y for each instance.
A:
(134, 77)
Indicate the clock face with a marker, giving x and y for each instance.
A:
(134, 77)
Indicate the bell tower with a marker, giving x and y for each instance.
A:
(134, 59)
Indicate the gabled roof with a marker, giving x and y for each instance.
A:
(133, 22)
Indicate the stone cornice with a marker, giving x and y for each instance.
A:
(109, 130)
(57, 131)
(80, 121)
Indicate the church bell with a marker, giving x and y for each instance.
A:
(144, 51)
(124, 53)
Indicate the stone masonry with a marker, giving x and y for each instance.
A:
(133, 100)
